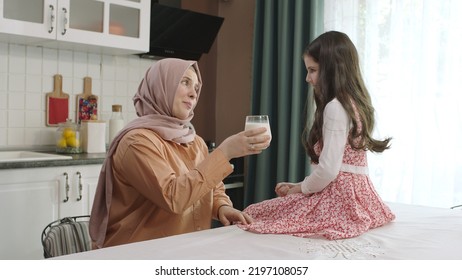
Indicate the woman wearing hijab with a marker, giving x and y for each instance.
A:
(158, 178)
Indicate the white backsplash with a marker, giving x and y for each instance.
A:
(26, 75)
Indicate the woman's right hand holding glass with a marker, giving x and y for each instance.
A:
(248, 142)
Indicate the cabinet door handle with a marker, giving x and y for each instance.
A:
(65, 21)
(52, 18)
(67, 187)
(80, 186)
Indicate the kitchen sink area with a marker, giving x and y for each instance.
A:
(21, 156)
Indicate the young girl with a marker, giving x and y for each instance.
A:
(337, 200)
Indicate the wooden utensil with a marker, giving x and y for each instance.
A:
(87, 103)
(57, 103)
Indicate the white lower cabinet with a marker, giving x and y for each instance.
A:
(31, 198)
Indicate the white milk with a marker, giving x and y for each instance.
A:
(252, 125)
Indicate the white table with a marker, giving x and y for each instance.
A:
(418, 233)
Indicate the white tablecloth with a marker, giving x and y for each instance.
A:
(416, 233)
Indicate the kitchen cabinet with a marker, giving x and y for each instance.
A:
(31, 198)
(109, 26)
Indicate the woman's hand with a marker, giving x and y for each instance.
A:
(248, 142)
(284, 188)
(229, 215)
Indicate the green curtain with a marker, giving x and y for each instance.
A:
(282, 29)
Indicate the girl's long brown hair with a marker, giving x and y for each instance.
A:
(339, 76)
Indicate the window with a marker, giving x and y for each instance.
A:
(411, 57)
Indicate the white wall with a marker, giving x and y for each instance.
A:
(26, 75)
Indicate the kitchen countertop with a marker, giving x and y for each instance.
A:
(77, 159)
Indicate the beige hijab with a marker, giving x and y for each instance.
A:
(153, 103)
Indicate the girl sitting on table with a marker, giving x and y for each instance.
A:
(337, 200)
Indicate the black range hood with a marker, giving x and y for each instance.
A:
(180, 33)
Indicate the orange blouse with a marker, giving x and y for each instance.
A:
(163, 188)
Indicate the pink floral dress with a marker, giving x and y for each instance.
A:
(347, 207)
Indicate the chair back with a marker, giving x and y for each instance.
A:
(66, 236)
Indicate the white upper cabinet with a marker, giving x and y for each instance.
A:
(106, 26)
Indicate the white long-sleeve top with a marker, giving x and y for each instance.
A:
(336, 126)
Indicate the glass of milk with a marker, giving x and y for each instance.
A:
(255, 121)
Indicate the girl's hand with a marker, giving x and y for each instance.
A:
(284, 188)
